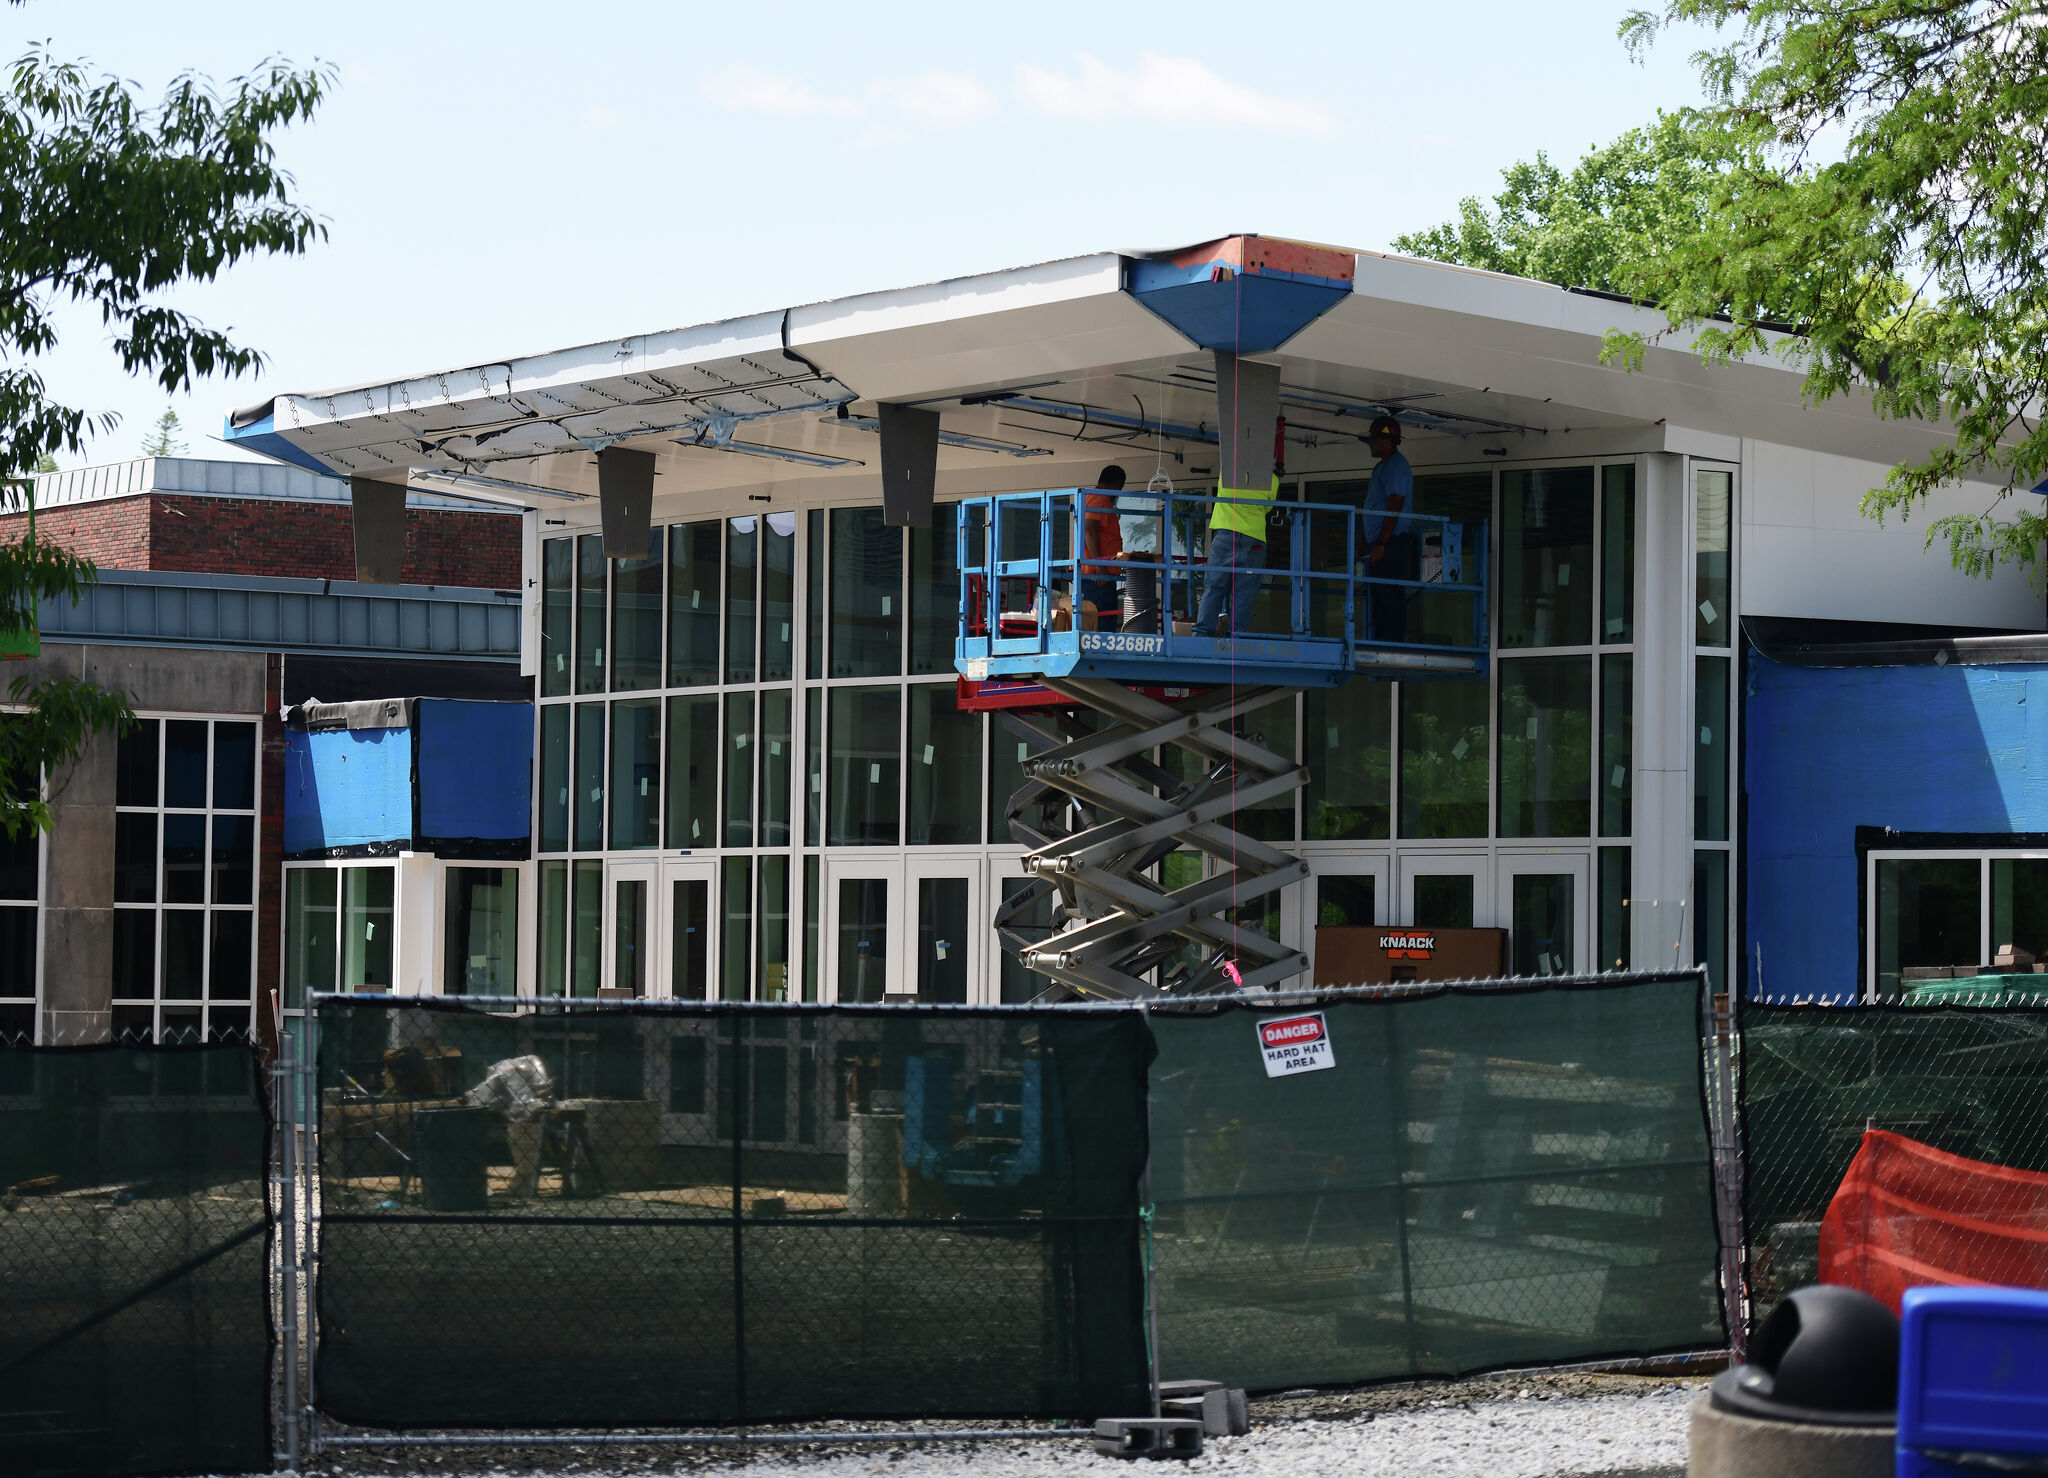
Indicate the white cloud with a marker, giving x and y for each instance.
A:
(597, 120)
(931, 100)
(1171, 89)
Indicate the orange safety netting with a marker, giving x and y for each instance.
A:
(1908, 1214)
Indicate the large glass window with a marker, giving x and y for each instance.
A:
(814, 593)
(2019, 905)
(554, 928)
(778, 597)
(367, 928)
(636, 620)
(1713, 500)
(1710, 916)
(935, 591)
(1546, 730)
(867, 594)
(636, 774)
(586, 930)
(184, 869)
(1618, 553)
(311, 906)
(20, 874)
(866, 767)
(814, 763)
(736, 932)
(1034, 921)
(482, 931)
(1615, 890)
(1347, 743)
(1710, 750)
(589, 804)
(554, 777)
(1546, 557)
(742, 572)
(690, 939)
(1445, 759)
(772, 955)
(1272, 820)
(592, 584)
(739, 770)
(945, 786)
(774, 745)
(557, 613)
(693, 610)
(1451, 553)
(1540, 933)
(692, 783)
(1617, 743)
(1929, 915)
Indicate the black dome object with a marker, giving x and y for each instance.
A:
(1826, 1355)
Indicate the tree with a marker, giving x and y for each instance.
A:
(111, 203)
(163, 439)
(1890, 199)
(1625, 202)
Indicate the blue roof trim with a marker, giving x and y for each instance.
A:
(262, 436)
(1221, 308)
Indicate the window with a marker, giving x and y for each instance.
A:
(1942, 916)
(1346, 737)
(693, 585)
(935, 591)
(867, 594)
(742, 569)
(21, 859)
(482, 932)
(636, 620)
(185, 880)
(1444, 759)
(592, 585)
(866, 767)
(945, 789)
(1546, 720)
(636, 774)
(557, 578)
(340, 930)
(1546, 543)
(1712, 510)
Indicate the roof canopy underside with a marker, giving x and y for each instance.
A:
(1076, 362)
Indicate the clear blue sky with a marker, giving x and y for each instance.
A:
(502, 178)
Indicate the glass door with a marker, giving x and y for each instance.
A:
(630, 901)
(686, 928)
(1546, 898)
(1446, 890)
(863, 908)
(1339, 892)
(947, 924)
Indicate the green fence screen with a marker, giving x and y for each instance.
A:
(1472, 1179)
(1972, 1080)
(618, 1216)
(134, 1309)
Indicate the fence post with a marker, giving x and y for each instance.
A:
(1146, 1213)
(1727, 1151)
(309, 1249)
(286, 1173)
(1397, 1136)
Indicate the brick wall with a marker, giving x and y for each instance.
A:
(257, 536)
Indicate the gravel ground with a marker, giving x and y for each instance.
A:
(1567, 1425)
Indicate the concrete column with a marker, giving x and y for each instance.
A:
(1660, 906)
(78, 900)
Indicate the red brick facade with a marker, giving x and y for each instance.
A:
(266, 536)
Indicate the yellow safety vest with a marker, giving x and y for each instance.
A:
(1247, 515)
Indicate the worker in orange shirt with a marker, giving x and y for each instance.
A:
(1102, 538)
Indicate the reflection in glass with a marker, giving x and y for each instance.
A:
(184, 961)
(814, 763)
(629, 936)
(1444, 760)
(866, 767)
(1710, 750)
(693, 583)
(1710, 917)
(1546, 557)
(309, 930)
(1617, 743)
(772, 962)
(867, 594)
(942, 940)
(1929, 913)
(692, 772)
(1614, 906)
(935, 591)
(1347, 736)
(1346, 901)
(134, 859)
(863, 943)
(1540, 938)
(227, 960)
(739, 770)
(557, 605)
(1452, 553)
(234, 858)
(234, 767)
(778, 597)
(482, 931)
(185, 764)
(554, 778)
(1035, 923)
(134, 953)
(1714, 496)
(774, 745)
(813, 906)
(690, 939)
(586, 929)
(636, 774)
(1271, 820)
(1618, 553)
(636, 620)
(2019, 904)
(591, 586)
(366, 894)
(814, 593)
(554, 928)
(742, 565)
(945, 783)
(1546, 729)
(1443, 901)
(590, 777)
(736, 933)
(184, 859)
(135, 764)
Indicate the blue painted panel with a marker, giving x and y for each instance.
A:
(476, 770)
(1248, 313)
(347, 788)
(262, 437)
(1826, 750)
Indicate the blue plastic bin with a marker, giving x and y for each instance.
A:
(1973, 1377)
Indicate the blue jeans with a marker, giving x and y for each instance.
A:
(1246, 558)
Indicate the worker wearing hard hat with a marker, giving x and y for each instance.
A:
(1384, 529)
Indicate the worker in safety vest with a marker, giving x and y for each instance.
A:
(1237, 540)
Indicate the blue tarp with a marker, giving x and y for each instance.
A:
(475, 770)
(347, 788)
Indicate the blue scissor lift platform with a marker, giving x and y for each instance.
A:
(1100, 807)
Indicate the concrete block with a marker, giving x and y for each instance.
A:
(1147, 1436)
(1725, 1445)
(1222, 1412)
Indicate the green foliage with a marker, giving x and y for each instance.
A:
(1623, 203)
(112, 204)
(1891, 201)
(46, 463)
(163, 439)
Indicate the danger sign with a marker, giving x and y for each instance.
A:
(1296, 1044)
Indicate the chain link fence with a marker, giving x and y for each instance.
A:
(1971, 1080)
(135, 1316)
(704, 1214)
(1474, 1177)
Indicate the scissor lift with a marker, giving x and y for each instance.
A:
(1101, 808)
